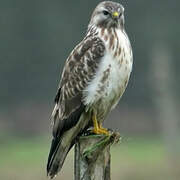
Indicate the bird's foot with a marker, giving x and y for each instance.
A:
(101, 131)
(97, 128)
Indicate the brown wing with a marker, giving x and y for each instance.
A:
(79, 69)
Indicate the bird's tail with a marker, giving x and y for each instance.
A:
(61, 145)
(58, 152)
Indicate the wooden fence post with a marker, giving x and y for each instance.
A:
(92, 157)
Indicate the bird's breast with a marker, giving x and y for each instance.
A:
(113, 72)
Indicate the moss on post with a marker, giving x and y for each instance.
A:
(92, 156)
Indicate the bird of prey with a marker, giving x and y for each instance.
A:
(93, 80)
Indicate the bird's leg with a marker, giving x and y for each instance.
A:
(95, 124)
(98, 129)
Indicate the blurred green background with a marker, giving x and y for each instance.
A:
(35, 39)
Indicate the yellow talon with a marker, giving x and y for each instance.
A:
(98, 129)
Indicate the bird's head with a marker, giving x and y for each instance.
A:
(108, 14)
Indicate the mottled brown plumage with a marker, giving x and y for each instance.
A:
(79, 69)
(94, 78)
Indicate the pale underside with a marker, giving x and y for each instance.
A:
(109, 83)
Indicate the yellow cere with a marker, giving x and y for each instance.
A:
(115, 14)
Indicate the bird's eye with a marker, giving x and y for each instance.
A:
(105, 12)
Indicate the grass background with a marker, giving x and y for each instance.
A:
(132, 159)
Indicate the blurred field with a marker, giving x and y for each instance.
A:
(133, 159)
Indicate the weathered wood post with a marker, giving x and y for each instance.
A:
(92, 157)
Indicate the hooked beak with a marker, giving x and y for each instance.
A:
(115, 15)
